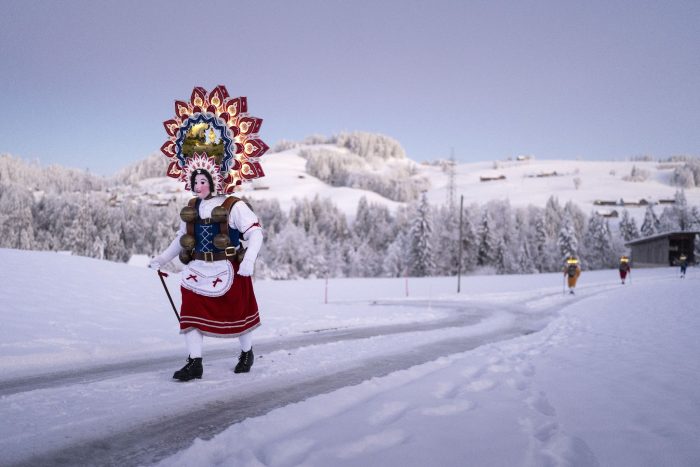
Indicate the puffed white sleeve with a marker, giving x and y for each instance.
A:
(244, 220)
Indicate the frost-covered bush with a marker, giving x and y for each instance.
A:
(50, 179)
(371, 145)
(155, 165)
(683, 177)
(636, 175)
(688, 175)
(393, 179)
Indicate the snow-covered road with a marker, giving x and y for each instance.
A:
(372, 377)
(133, 413)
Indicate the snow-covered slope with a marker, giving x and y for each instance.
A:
(525, 182)
(509, 372)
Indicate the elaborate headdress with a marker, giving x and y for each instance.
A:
(213, 132)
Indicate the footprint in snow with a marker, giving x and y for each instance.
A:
(546, 431)
(372, 443)
(517, 383)
(295, 450)
(389, 412)
(445, 390)
(448, 409)
(498, 368)
(479, 385)
(471, 371)
(526, 369)
(540, 403)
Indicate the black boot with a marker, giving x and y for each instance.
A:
(245, 361)
(193, 369)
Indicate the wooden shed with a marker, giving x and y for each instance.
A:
(663, 249)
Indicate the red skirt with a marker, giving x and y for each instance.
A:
(232, 314)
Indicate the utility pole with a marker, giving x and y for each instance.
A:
(459, 263)
(451, 173)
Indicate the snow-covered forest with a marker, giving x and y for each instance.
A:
(58, 209)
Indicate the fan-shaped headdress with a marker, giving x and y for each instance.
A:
(213, 132)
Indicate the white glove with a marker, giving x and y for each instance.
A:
(247, 267)
(156, 263)
(170, 253)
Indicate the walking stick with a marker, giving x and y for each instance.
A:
(162, 274)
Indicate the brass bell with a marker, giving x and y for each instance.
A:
(188, 214)
(187, 241)
(221, 241)
(185, 256)
(219, 214)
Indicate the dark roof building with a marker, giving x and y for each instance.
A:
(663, 249)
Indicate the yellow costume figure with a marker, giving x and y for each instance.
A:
(572, 269)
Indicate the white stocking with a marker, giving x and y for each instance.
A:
(194, 340)
(246, 341)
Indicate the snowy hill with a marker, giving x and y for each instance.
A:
(522, 182)
(509, 372)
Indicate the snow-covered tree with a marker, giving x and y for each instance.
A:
(598, 245)
(447, 236)
(553, 214)
(628, 227)
(16, 227)
(488, 241)
(650, 224)
(567, 240)
(682, 211)
(470, 240)
(421, 241)
(395, 263)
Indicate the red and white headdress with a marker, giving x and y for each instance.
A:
(213, 132)
(196, 164)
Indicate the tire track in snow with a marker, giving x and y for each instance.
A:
(161, 436)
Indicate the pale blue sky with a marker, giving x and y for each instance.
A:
(88, 83)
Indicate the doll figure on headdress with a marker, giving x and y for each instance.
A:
(217, 290)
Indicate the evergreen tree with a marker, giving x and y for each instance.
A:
(486, 253)
(682, 212)
(421, 247)
(650, 223)
(553, 215)
(501, 257)
(447, 257)
(16, 226)
(395, 263)
(628, 227)
(523, 260)
(540, 244)
(599, 252)
(566, 240)
(470, 241)
(668, 220)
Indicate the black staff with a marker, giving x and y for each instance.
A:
(162, 274)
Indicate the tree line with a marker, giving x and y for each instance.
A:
(314, 238)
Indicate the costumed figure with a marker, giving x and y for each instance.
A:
(624, 268)
(213, 148)
(572, 271)
(683, 261)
